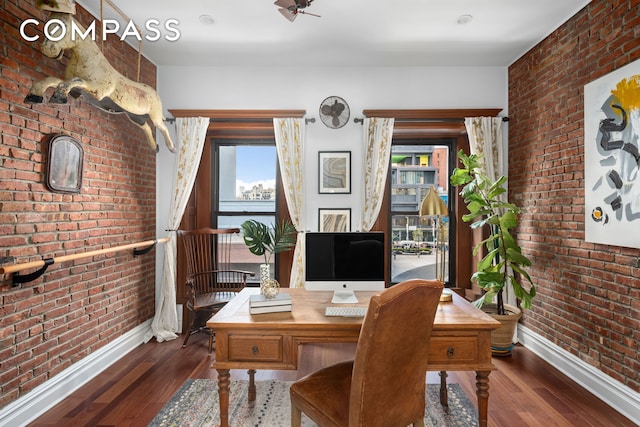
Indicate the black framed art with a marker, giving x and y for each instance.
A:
(334, 172)
(334, 220)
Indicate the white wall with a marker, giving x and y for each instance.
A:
(301, 88)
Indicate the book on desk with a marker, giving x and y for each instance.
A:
(259, 304)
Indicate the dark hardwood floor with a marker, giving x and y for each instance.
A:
(524, 391)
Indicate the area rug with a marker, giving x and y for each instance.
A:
(195, 404)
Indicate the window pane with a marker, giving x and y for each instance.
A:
(246, 190)
(419, 243)
(241, 257)
(247, 178)
(414, 253)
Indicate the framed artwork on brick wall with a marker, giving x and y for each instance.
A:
(64, 164)
(611, 158)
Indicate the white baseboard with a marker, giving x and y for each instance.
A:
(620, 397)
(45, 396)
(42, 398)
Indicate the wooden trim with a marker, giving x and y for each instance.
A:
(455, 114)
(419, 129)
(241, 130)
(284, 260)
(240, 124)
(202, 187)
(464, 235)
(430, 123)
(252, 126)
(244, 115)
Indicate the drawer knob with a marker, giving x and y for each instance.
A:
(450, 352)
(255, 349)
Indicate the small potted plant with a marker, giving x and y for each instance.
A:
(267, 241)
(503, 262)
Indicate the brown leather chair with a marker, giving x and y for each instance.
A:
(386, 383)
(211, 279)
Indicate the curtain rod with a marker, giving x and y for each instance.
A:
(172, 120)
(361, 120)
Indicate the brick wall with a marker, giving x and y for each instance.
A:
(76, 307)
(588, 294)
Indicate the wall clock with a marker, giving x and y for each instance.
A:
(334, 112)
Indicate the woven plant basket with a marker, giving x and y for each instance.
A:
(502, 338)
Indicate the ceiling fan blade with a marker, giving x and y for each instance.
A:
(291, 16)
(336, 121)
(285, 4)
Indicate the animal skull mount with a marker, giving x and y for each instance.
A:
(89, 73)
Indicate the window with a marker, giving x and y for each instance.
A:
(244, 187)
(420, 244)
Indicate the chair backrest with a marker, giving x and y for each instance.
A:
(389, 373)
(208, 260)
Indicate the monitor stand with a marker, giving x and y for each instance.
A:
(344, 297)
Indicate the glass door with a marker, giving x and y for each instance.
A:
(419, 240)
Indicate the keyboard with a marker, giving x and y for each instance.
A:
(346, 311)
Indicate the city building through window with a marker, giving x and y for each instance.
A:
(420, 243)
(245, 188)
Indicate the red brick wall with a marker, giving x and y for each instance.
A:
(76, 307)
(588, 294)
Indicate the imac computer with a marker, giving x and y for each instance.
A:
(344, 263)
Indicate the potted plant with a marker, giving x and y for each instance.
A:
(266, 241)
(503, 262)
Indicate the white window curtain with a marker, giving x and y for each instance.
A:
(378, 133)
(290, 134)
(191, 134)
(485, 138)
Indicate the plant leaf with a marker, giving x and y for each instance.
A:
(263, 240)
(256, 236)
(284, 237)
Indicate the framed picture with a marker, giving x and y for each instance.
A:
(334, 172)
(64, 164)
(334, 220)
(611, 185)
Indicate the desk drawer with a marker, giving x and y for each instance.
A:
(453, 349)
(255, 348)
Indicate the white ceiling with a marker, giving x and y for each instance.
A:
(349, 33)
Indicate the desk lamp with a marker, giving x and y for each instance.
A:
(433, 205)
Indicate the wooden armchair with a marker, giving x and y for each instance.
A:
(385, 385)
(211, 282)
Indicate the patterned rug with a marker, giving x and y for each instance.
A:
(195, 404)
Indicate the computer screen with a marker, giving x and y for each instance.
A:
(344, 263)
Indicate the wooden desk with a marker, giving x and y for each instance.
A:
(461, 339)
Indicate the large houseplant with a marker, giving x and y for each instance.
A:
(266, 241)
(503, 261)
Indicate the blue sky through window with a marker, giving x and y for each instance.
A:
(255, 165)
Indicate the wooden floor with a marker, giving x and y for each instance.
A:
(524, 391)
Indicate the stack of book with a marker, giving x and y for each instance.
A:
(260, 304)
